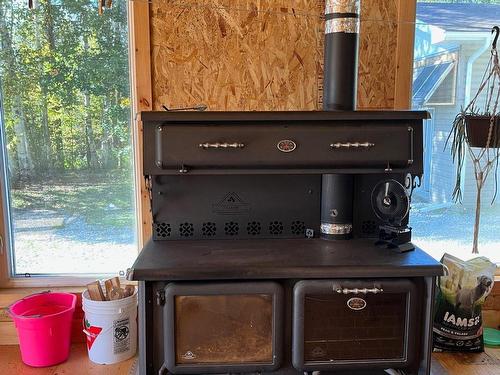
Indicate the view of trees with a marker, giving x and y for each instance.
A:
(64, 87)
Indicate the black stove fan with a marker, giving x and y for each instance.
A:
(391, 204)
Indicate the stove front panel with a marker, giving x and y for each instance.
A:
(344, 145)
(232, 207)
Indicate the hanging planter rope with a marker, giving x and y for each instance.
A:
(476, 132)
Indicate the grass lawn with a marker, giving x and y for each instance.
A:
(100, 199)
(75, 223)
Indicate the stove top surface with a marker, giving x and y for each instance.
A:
(277, 259)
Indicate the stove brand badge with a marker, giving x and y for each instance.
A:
(286, 145)
(189, 355)
(231, 204)
(356, 303)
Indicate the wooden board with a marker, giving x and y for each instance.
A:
(377, 54)
(140, 69)
(263, 55)
(77, 363)
(486, 363)
(237, 54)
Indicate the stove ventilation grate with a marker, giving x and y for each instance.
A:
(298, 227)
(231, 228)
(276, 228)
(163, 230)
(209, 229)
(253, 228)
(186, 229)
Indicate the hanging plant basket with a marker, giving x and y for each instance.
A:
(476, 132)
(478, 128)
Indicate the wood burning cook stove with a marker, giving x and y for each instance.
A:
(281, 242)
(242, 274)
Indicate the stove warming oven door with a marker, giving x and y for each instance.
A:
(355, 324)
(223, 327)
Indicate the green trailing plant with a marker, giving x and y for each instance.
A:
(485, 158)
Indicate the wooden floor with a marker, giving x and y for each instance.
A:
(487, 363)
(78, 363)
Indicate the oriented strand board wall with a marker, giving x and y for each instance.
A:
(262, 54)
(377, 54)
(237, 54)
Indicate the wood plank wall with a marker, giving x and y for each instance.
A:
(265, 54)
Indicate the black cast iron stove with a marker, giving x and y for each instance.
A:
(281, 242)
(242, 275)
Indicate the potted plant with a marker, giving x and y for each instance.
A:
(476, 132)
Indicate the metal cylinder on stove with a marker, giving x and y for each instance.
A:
(339, 94)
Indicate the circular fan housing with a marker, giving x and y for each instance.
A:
(390, 201)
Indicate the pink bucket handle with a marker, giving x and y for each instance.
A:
(11, 314)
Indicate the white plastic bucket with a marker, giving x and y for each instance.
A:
(111, 328)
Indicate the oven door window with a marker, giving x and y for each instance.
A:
(224, 329)
(333, 330)
(356, 323)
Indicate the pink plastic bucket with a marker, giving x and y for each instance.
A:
(43, 323)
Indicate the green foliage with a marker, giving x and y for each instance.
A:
(65, 87)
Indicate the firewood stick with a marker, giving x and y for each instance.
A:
(109, 284)
(95, 291)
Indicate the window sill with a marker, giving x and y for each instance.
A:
(52, 282)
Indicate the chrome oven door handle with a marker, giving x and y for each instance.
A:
(353, 145)
(221, 145)
(373, 290)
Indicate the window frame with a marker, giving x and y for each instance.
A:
(451, 56)
(141, 100)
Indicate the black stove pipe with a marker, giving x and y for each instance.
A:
(339, 94)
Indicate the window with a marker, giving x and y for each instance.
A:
(434, 83)
(67, 167)
(451, 52)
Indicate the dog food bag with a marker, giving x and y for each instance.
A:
(459, 297)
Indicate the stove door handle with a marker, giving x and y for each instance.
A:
(355, 145)
(373, 290)
(221, 145)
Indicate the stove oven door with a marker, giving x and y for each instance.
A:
(223, 327)
(354, 324)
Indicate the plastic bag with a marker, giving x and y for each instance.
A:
(460, 295)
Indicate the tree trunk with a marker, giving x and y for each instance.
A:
(25, 167)
(48, 29)
(25, 163)
(90, 150)
(46, 146)
(58, 144)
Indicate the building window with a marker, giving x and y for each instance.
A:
(434, 82)
(451, 53)
(66, 143)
